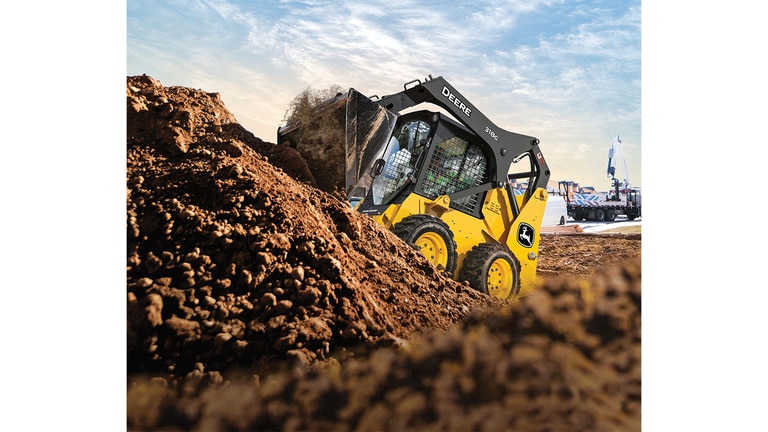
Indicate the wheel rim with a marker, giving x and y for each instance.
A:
(500, 278)
(433, 247)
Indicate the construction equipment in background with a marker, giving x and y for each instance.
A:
(622, 199)
(440, 182)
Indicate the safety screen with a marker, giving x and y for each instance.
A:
(456, 165)
(401, 155)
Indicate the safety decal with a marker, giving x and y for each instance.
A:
(525, 234)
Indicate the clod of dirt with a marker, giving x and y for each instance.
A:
(566, 358)
(256, 301)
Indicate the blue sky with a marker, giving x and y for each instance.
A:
(567, 72)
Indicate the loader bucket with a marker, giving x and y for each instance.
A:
(369, 127)
(341, 142)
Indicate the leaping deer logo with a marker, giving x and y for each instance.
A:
(525, 235)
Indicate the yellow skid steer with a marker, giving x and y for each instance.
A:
(441, 180)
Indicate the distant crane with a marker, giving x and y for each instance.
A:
(623, 199)
(615, 153)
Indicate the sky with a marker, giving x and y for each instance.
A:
(566, 72)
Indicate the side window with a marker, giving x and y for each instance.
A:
(456, 165)
(403, 151)
(411, 136)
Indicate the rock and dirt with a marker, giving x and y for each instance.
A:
(256, 301)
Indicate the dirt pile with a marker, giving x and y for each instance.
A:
(256, 301)
(226, 250)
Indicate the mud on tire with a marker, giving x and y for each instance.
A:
(432, 237)
(491, 269)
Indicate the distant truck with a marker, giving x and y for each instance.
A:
(602, 207)
(621, 200)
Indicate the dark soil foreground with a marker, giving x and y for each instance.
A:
(255, 301)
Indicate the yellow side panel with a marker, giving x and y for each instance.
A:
(531, 214)
(497, 225)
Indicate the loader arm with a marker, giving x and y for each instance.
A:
(507, 146)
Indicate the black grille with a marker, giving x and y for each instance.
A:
(456, 165)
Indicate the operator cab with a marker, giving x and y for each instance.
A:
(430, 155)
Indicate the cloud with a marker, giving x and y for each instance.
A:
(567, 72)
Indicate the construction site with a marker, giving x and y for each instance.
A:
(259, 298)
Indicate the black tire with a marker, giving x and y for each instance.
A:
(562, 220)
(599, 215)
(492, 269)
(610, 215)
(631, 217)
(432, 237)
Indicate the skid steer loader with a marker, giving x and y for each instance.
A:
(441, 182)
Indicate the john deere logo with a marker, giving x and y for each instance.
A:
(525, 235)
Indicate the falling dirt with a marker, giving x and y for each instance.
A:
(258, 302)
